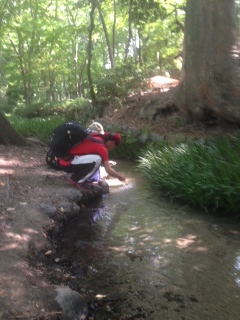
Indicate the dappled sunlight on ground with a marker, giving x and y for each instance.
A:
(15, 241)
(183, 243)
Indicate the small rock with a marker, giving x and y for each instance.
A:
(71, 303)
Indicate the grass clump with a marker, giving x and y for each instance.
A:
(42, 128)
(206, 176)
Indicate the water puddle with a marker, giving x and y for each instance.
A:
(145, 258)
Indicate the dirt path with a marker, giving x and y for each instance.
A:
(25, 182)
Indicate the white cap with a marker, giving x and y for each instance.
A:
(96, 127)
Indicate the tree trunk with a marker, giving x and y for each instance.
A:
(89, 53)
(110, 52)
(210, 88)
(114, 27)
(129, 32)
(8, 135)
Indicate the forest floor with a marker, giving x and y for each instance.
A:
(26, 182)
(171, 122)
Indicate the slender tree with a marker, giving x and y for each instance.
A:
(110, 51)
(89, 53)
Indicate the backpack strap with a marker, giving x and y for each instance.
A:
(95, 139)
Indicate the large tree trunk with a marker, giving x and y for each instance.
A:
(210, 84)
(8, 135)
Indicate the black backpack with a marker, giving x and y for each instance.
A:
(66, 136)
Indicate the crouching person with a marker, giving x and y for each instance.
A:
(86, 158)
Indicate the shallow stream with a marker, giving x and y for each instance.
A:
(147, 258)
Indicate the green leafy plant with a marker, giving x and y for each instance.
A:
(39, 127)
(204, 175)
(118, 82)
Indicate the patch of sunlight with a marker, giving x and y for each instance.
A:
(200, 249)
(29, 230)
(238, 281)
(10, 247)
(6, 162)
(114, 183)
(127, 185)
(148, 238)
(191, 236)
(17, 237)
(237, 263)
(117, 249)
(199, 268)
(237, 267)
(183, 243)
(167, 241)
(6, 171)
(100, 296)
(158, 81)
(17, 241)
(134, 228)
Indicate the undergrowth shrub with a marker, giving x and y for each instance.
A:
(41, 128)
(78, 109)
(118, 82)
(204, 175)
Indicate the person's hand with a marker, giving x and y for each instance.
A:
(121, 178)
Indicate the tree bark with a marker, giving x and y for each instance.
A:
(114, 27)
(8, 135)
(89, 53)
(129, 32)
(210, 86)
(110, 52)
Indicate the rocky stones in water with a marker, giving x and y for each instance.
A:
(95, 191)
(72, 305)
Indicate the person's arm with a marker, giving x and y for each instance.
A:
(112, 172)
